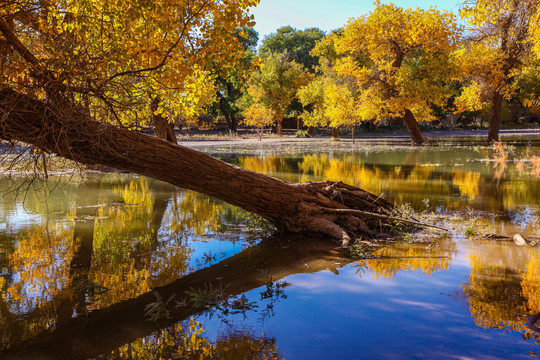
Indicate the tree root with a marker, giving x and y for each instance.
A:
(346, 213)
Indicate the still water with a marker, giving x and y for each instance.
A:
(81, 256)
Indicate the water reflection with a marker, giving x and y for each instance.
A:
(82, 259)
(90, 245)
(504, 285)
(103, 330)
(185, 341)
(420, 256)
(451, 179)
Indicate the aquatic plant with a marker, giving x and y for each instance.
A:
(157, 310)
(208, 295)
(359, 250)
(471, 231)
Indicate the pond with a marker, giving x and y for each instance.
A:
(116, 266)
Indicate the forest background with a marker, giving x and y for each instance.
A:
(472, 67)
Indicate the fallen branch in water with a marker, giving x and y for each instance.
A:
(519, 239)
(385, 217)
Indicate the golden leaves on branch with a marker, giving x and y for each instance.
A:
(125, 52)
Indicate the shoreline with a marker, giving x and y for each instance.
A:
(202, 139)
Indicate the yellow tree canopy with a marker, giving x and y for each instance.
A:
(535, 31)
(311, 96)
(331, 99)
(401, 59)
(259, 115)
(115, 55)
(497, 48)
(331, 102)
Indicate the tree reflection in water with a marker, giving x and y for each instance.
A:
(185, 341)
(127, 236)
(503, 290)
(395, 173)
(105, 250)
(425, 257)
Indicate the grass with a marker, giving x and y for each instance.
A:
(301, 134)
(471, 231)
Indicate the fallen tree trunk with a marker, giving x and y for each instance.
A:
(298, 208)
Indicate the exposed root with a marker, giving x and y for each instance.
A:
(345, 213)
(325, 226)
(385, 217)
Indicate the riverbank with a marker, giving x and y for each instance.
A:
(207, 138)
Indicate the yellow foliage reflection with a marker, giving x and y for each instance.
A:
(194, 214)
(423, 257)
(41, 261)
(188, 343)
(40, 266)
(106, 251)
(504, 286)
(467, 183)
(494, 295)
(531, 284)
(408, 177)
(128, 259)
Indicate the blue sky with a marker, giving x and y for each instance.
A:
(325, 14)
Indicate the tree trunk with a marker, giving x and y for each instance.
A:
(517, 109)
(279, 127)
(232, 123)
(331, 209)
(414, 130)
(352, 132)
(495, 119)
(335, 133)
(162, 127)
(311, 131)
(299, 124)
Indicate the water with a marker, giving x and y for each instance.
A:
(80, 256)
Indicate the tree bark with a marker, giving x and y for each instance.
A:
(414, 130)
(299, 124)
(335, 133)
(495, 119)
(232, 123)
(279, 129)
(162, 127)
(330, 209)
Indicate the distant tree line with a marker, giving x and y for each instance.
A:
(394, 65)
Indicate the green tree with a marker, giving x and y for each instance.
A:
(231, 83)
(275, 85)
(297, 43)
